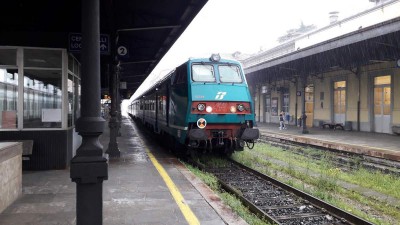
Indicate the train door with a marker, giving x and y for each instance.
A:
(382, 103)
(339, 102)
(267, 109)
(309, 103)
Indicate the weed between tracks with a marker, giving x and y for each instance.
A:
(227, 198)
(323, 180)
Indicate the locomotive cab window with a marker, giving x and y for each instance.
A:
(229, 74)
(203, 73)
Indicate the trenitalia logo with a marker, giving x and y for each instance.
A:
(220, 95)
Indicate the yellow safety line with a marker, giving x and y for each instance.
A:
(186, 211)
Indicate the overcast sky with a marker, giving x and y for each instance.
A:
(226, 26)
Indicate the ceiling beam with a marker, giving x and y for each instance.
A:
(148, 28)
(137, 62)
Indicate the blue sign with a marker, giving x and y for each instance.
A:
(75, 43)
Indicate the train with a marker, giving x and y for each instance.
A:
(202, 106)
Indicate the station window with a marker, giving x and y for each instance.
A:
(8, 98)
(285, 103)
(8, 89)
(74, 91)
(42, 98)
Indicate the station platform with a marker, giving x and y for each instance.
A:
(136, 192)
(385, 146)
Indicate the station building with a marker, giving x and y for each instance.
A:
(345, 73)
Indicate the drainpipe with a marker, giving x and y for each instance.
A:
(259, 104)
(295, 108)
(89, 166)
(304, 129)
(358, 75)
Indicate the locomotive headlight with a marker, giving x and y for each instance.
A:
(233, 109)
(209, 109)
(201, 107)
(240, 107)
(215, 57)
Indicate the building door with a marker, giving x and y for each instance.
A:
(309, 103)
(285, 106)
(382, 102)
(339, 102)
(267, 111)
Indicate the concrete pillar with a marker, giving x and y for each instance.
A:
(89, 167)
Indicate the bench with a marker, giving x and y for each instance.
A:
(333, 126)
(396, 129)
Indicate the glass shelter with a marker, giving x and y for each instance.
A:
(39, 88)
(39, 103)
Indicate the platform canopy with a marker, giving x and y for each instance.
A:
(143, 30)
(371, 45)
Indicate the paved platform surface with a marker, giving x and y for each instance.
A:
(135, 192)
(379, 145)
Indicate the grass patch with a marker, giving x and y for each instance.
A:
(324, 186)
(385, 183)
(212, 161)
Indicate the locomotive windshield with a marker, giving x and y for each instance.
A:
(229, 73)
(203, 73)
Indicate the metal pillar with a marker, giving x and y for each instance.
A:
(89, 167)
(358, 75)
(296, 83)
(304, 129)
(113, 149)
(119, 115)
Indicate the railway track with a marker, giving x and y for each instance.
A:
(344, 160)
(276, 201)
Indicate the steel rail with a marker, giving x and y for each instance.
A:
(326, 208)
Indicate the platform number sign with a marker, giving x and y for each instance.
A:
(122, 51)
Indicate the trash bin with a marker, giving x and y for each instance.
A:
(348, 125)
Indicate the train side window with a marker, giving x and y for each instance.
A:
(181, 77)
(203, 73)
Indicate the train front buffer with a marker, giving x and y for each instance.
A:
(226, 125)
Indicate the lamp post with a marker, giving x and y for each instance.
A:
(89, 166)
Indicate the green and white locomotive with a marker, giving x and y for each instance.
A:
(203, 105)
